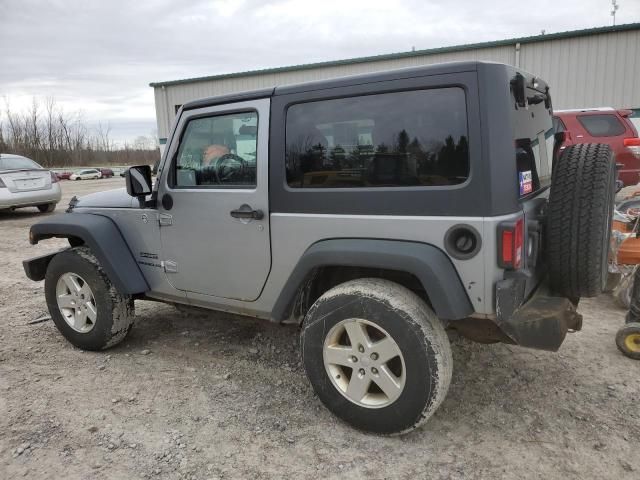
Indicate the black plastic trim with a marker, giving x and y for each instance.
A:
(103, 237)
(36, 268)
(231, 98)
(428, 263)
(451, 248)
(541, 322)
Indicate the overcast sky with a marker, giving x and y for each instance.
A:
(100, 56)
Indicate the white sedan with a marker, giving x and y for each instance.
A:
(24, 183)
(86, 174)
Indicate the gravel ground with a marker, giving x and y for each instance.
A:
(197, 397)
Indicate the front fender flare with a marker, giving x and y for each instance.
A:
(428, 263)
(102, 236)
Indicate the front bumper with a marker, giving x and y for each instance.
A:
(31, 198)
(541, 322)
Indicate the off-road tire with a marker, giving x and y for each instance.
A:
(414, 327)
(115, 312)
(579, 220)
(627, 340)
(47, 207)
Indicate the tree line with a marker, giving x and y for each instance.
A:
(48, 134)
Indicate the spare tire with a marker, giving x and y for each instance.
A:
(579, 220)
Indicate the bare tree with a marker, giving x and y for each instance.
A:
(53, 137)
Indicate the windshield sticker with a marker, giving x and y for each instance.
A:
(526, 182)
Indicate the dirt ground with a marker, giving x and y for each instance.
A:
(187, 397)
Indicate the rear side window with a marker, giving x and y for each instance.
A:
(558, 125)
(401, 139)
(605, 125)
(16, 162)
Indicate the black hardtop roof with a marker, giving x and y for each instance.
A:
(386, 75)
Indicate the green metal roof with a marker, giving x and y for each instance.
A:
(413, 53)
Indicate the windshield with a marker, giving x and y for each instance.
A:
(16, 163)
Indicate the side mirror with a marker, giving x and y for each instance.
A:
(138, 181)
(519, 88)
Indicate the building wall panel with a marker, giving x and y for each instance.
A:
(586, 71)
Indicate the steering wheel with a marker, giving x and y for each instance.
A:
(229, 167)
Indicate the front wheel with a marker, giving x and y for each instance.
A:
(376, 355)
(83, 303)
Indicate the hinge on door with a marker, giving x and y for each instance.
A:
(170, 266)
(164, 219)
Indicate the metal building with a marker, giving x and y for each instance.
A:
(585, 68)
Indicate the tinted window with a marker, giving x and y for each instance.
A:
(15, 163)
(403, 139)
(605, 125)
(558, 125)
(218, 151)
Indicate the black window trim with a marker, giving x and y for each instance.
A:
(468, 198)
(171, 174)
(457, 186)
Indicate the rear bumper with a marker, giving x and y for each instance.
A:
(541, 322)
(29, 199)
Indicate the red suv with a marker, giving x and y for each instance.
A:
(603, 125)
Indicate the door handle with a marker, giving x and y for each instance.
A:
(246, 213)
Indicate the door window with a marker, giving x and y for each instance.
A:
(218, 152)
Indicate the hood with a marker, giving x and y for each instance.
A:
(118, 198)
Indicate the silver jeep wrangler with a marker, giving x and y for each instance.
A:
(376, 211)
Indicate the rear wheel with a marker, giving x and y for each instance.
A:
(47, 207)
(376, 355)
(579, 220)
(83, 303)
(628, 340)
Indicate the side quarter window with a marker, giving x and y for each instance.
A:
(218, 151)
(416, 138)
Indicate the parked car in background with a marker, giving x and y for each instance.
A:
(64, 175)
(106, 172)
(603, 125)
(86, 174)
(24, 183)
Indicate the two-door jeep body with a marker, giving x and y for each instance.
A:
(374, 210)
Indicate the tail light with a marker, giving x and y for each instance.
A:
(633, 144)
(54, 177)
(511, 244)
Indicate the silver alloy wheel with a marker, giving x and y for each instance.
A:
(76, 302)
(364, 363)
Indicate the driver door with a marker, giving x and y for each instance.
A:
(213, 201)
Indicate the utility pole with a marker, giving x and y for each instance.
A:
(614, 9)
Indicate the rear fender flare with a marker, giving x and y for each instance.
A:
(428, 263)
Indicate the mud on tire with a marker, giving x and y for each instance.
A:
(419, 337)
(579, 220)
(115, 312)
